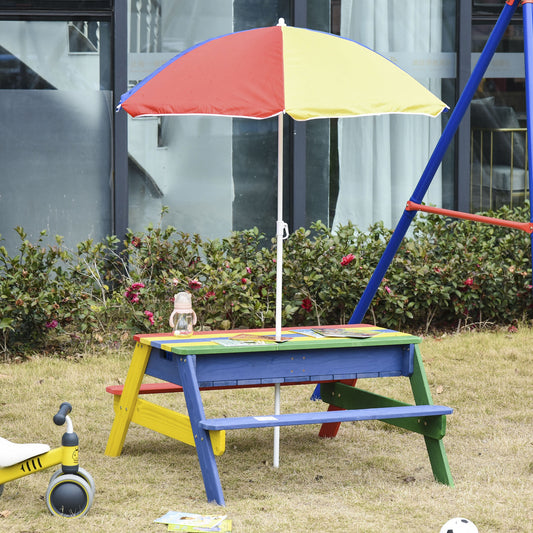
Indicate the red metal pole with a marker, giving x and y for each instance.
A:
(524, 226)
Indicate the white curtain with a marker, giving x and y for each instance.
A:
(382, 158)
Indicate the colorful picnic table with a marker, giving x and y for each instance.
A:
(218, 360)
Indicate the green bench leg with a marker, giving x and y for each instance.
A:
(433, 428)
(439, 461)
(435, 447)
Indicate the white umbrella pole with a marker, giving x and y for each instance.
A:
(280, 229)
(277, 401)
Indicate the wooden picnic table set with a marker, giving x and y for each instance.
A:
(333, 357)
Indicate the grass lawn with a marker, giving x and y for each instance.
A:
(371, 478)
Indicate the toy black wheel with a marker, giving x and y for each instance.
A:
(81, 472)
(69, 496)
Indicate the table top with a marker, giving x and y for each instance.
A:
(259, 340)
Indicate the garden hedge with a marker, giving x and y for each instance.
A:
(446, 275)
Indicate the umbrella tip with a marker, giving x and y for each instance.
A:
(281, 22)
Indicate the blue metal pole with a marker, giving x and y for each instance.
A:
(528, 58)
(435, 160)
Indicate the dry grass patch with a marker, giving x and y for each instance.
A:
(371, 478)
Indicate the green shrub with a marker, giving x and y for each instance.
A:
(446, 274)
(37, 295)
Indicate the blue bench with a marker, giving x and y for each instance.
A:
(381, 413)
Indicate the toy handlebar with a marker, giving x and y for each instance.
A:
(64, 409)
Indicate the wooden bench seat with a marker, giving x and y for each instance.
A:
(383, 413)
(165, 387)
(147, 388)
(387, 414)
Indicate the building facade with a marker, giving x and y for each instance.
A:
(73, 166)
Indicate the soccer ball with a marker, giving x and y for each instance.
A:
(459, 525)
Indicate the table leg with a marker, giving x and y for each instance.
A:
(128, 399)
(435, 447)
(204, 449)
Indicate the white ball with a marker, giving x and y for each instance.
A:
(459, 525)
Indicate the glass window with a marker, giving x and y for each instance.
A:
(56, 149)
(216, 174)
(184, 163)
(498, 115)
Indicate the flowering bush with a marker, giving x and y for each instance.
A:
(38, 295)
(447, 274)
(453, 273)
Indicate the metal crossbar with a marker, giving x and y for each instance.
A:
(524, 226)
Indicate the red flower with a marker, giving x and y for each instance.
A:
(52, 324)
(210, 294)
(244, 281)
(136, 241)
(194, 284)
(133, 297)
(130, 293)
(387, 288)
(150, 316)
(469, 281)
(347, 259)
(307, 304)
